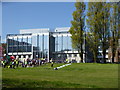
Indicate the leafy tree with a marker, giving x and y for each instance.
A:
(98, 21)
(93, 43)
(104, 23)
(115, 26)
(77, 28)
(93, 21)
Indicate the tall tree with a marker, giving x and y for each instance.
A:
(77, 28)
(115, 28)
(104, 23)
(93, 23)
(98, 20)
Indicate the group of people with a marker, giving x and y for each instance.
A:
(9, 64)
(18, 62)
(13, 62)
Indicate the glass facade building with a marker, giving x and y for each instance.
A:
(32, 43)
(42, 43)
(62, 43)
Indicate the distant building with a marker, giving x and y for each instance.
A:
(47, 44)
(43, 43)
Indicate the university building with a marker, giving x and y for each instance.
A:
(43, 43)
(49, 44)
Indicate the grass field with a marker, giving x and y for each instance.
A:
(83, 75)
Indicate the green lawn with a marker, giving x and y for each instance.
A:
(83, 75)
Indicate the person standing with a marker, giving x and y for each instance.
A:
(39, 62)
(11, 64)
(14, 64)
(52, 64)
(2, 62)
(26, 63)
(66, 60)
(17, 62)
(51, 60)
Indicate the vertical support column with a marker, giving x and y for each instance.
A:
(37, 46)
(48, 48)
(43, 46)
(62, 48)
(12, 45)
(67, 42)
(57, 44)
(56, 54)
(22, 46)
(27, 45)
(67, 46)
(17, 45)
(62, 43)
(31, 47)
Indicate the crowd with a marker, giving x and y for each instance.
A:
(25, 62)
(12, 62)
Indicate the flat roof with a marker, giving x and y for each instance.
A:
(18, 34)
(41, 30)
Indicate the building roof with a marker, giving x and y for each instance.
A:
(41, 30)
(62, 29)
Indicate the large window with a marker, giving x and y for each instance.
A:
(63, 42)
(19, 44)
(40, 45)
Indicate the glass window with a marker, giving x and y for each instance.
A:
(59, 43)
(75, 55)
(69, 55)
(46, 43)
(20, 44)
(25, 44)
(56, 43)
(29, 47)
(69, 43)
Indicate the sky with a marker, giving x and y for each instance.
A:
(34, 15)
(0, 18)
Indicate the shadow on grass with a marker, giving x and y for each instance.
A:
(10, 83)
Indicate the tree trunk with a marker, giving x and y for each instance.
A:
(104, 52)
(104, 56)
(113, 48)
(113, 55)
(113, 52)
(81, 54)
(95, 59)
(95, 56)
